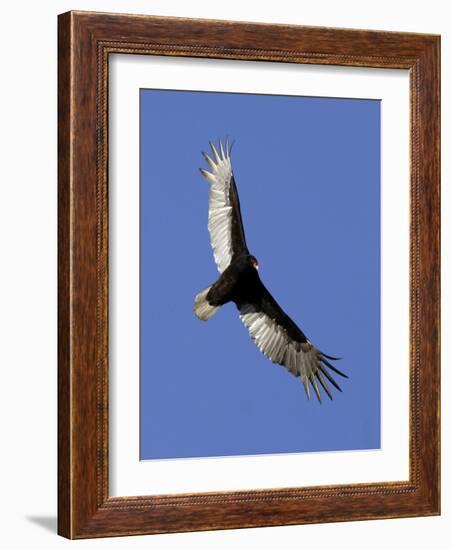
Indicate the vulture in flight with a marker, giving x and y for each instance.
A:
(273, 331)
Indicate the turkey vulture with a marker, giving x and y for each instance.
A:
(273, 331)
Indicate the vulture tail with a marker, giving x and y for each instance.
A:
(203, 310)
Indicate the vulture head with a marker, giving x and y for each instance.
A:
(253, 261)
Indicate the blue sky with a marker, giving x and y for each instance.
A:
(308, 175)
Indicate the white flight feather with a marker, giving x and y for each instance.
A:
(273, 341)
(220, 208)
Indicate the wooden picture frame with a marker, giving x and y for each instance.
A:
(85, 42)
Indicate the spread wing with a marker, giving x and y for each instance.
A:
(225, 225)
(279, 339)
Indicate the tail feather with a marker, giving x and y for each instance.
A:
(203, 310)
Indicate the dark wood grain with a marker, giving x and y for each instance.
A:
(64, 295)
(85, 41)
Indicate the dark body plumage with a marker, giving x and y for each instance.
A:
(274, 332)
(241, 284)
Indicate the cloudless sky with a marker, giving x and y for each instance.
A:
(308, 176)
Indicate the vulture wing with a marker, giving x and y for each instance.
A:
(225, 225)
(279, 339)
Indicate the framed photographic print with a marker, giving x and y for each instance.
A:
(248, 275)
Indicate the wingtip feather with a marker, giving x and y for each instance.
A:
(330, 356)
(214, 152)
(208, 175)
(329, 377)
(209, 161)
(324, 385)
(316, 388)
(336, 370)
(306, 387)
